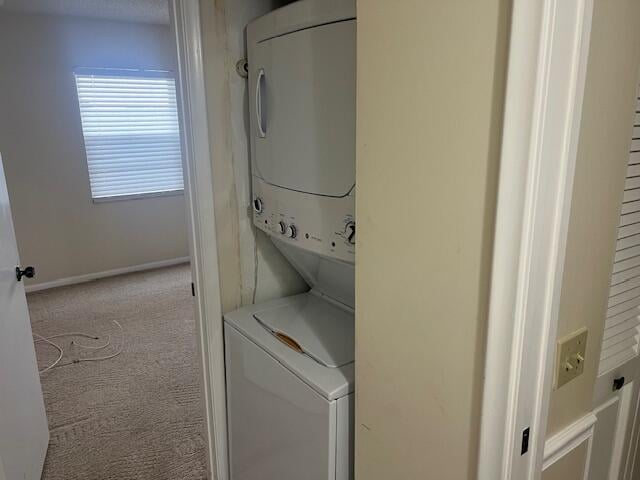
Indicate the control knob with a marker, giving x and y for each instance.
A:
(257, 205)
(282, 227)
(291, 231)
(351, 232)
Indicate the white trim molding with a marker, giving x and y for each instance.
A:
(545, 84)
(185, 22)
(63, 282)
(568, 439)
(630, 462)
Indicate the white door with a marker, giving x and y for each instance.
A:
(618, 384)
(24, 434)
(302, 104)
(615, 434)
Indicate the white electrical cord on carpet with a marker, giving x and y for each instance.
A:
(57, 363)
(106, 357)
(92, 347)
(56, 346)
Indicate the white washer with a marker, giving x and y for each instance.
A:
(290, 382)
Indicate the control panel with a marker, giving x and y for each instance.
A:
(324, 225)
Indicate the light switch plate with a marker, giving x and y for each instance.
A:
(571, 355)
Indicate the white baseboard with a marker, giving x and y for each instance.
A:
(108, 273)
(568, 439)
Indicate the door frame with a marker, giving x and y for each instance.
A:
(185, 25)
(548, 56)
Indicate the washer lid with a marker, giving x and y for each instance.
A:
(314, 327)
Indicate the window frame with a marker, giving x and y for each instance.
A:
(134, 73)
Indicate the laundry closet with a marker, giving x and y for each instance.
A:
(289, 362)
(416, 233)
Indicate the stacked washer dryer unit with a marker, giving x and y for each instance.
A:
(290, 362)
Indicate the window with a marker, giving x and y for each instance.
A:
(131, 133)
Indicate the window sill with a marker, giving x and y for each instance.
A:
(137, 196)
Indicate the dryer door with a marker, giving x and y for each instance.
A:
(302, 102)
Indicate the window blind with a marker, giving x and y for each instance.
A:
(131, 132)
(622, 323)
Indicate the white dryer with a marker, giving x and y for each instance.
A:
(290, 362)
(302, 98)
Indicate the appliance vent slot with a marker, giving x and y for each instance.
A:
(621, 337)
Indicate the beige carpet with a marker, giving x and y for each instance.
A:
(136, 416)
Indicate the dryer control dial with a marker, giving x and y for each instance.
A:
(257, 205)
(351, 232)
(291, 232)
(282, 228)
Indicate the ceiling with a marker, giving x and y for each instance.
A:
(143, 11)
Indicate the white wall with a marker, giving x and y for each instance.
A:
(429, 120)
(223, 26)
(59, 229)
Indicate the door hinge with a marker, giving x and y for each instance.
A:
(525, 441)
(193, 289)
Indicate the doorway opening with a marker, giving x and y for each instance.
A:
(91, 149)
